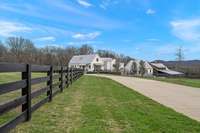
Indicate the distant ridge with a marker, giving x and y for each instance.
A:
(191, 67)
(189, 63)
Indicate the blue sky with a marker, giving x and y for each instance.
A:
(144, 29)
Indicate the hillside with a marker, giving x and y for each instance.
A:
(191, 67)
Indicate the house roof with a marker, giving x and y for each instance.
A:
(159, 65)
(147, 65)
(171, 72)
(82, 59)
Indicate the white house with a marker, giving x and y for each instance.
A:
(108, 64)
(148, 69)
(89, 63)
(133, 67)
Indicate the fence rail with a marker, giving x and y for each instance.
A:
(64, 75)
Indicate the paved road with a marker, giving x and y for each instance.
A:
(183, 99)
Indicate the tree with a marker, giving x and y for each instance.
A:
(86, 49)
(106, 53)
(16, 47)
(134, 68)
(142, 68)
(179, 54)
(70, 52)
(29, 51)
(3, 51)
(22, 50)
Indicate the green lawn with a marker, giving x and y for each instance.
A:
(10, 77)
(181, 81)
(99, 105)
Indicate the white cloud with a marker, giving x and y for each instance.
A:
(88, 36)
(76, 15)
(150, 12)
(153, 39)
(187, 30)
(43, 45)
(8, 28)
(106, 3)
(84, 42)
(84, 3)
(46, 38)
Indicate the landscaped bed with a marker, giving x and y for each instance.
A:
(101, 105)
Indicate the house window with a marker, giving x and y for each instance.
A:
(89, 66)
(97, 59)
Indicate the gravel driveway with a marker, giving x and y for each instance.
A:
(183, 99)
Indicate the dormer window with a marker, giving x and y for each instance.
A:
(97, 59)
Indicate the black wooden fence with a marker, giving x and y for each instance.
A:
(66, 76)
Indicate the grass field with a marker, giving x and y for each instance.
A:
(181, 81)
(10, 77)
(99, 105)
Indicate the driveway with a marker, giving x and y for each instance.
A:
(183, 99)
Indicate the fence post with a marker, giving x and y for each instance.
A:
(27, 91)
(71, 75)
(74, 74)
(49, 83)
(67, 77)
(61, 83)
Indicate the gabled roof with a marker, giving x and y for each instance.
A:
(159, 65)
(171, 72)
(162, 68)
(147, 65)
(82, 59)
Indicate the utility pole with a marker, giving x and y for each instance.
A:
(179, 54)
(179, 58)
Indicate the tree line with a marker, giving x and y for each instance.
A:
(22, 50)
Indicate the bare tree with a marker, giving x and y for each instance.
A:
(134, 68)
(3, 51)
(106, 53)
(16, 47)
(142, 68)
(29, 52)
(86, 49)
(71, 51)
(23, 50)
